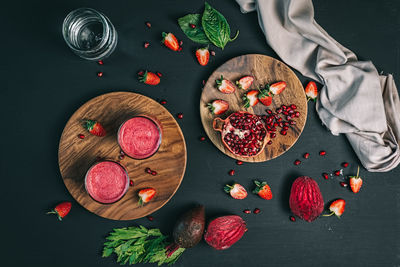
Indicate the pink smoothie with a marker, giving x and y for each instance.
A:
(139, 137)
(106, 181)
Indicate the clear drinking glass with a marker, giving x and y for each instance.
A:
(89, 33)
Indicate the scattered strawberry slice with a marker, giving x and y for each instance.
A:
(218, 106)
(236, 190)
(311, 91)
(245, 82)
(61, 210)
(170, 41)
(94, 127)
(250, 98)
(263, 190)
(337, 207)
(145, 195)
(225, 86)
(149, 78)
(264, 97)
(356, 182)
(277, 88)
(203, 55)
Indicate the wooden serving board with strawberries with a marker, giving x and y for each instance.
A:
(265, 70)
(75, 155)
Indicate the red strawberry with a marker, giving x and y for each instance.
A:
(170, 41)
(263, 190)
(311, 91)
(250, 98)
(337, 207)
(225, 86)
(236, 190)
(264, 97)
(149, 78)
(94, 127)
(145, 195)
(245, 82)
(203, 55)
(61, 210)
(356, 182)
(218, 106)
(277, 88)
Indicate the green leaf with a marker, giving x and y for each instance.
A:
(216, 27)
(196, 34)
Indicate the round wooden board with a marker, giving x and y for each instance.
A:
(75, 156)
(266, 70)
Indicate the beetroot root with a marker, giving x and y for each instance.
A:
(225, 231)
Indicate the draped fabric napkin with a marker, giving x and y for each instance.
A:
(354, 100)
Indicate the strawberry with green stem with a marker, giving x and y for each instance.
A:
(170, 41)
(250, 98)
(276, 88)
(148, 77)
(61, 210)
(225, 86)
(145, 195)
(218, 106)
(237, 191)
(337, 208)
(264, 96)
(356, 182)
(245, 82)
(263, 190)
(94, 127)
(311, 91)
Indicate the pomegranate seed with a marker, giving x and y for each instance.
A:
(297, 162)
(180, 49)
(343, 184)
(292, 122)
(163, 102)
(256, 211)
(232, 172)
(247, 211)
(283, 107)
(272, 135)
(121, 156)
(345, 164)
(306, 155)
(239, 162)
(180, 43)
(146, 44)
(269, 142)
(288, 117)
(100, 62)
(150, 218)
(147, 170)
(322, 153)
(81, 136)
(130, 182)
(180, 115)
(325, 175)
(212, 53)
(148, 24)
(293, 106)
(192, 25)
(297, 114)
(100, 74)
(159, 74)
(283, 132)
(204, 82)
(337, 173)
(292, 218)
(268, 111)
(202, 138)
(154, 173)
(141, 73)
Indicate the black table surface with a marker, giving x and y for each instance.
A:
(43, 83)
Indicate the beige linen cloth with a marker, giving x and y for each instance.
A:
(354, 100)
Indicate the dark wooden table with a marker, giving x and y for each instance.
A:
(42, 83)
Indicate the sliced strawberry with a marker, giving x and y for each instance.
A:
(277, 88)
(236, 191)
(250, 98)
(149, 78)
(245, 82)
(311, 91)
(61, 210)
(170, 41)
(356, 182)
(263, 190)
(225, 86)
(337, 207)
(145, 195)
(264, 97)
(218, 106)
(203, 55)
(94, 127)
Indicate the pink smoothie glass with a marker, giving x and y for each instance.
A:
(106, 181)
(139, 137)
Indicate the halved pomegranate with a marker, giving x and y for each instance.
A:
(242, 133)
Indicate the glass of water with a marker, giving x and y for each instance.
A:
(89, 33)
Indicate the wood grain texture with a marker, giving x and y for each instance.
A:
(76, 155)
(266, 70)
